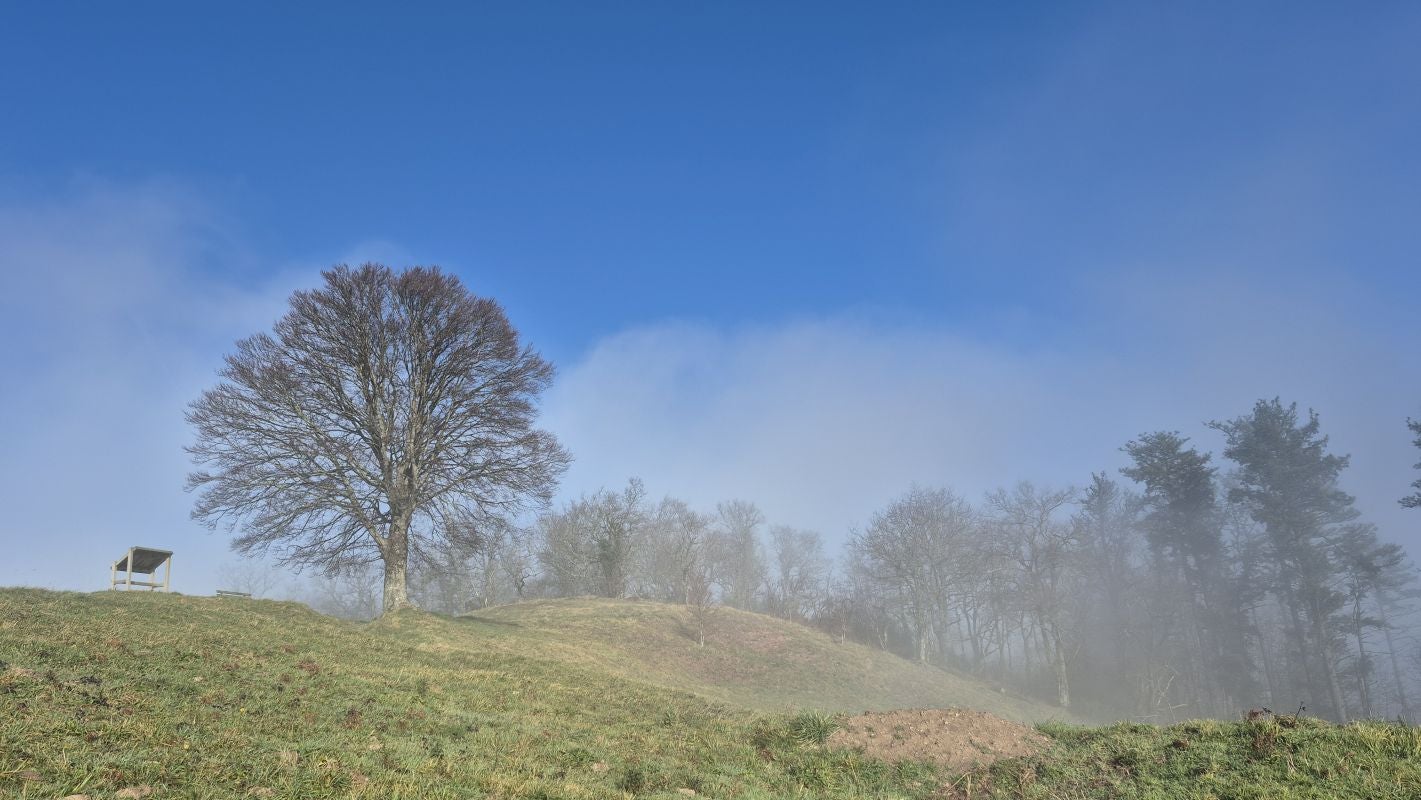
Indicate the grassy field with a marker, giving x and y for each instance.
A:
(145, 695)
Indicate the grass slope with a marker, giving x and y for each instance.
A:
(749, 660)
(107, 693)
(110, 695)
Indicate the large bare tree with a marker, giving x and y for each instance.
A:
(386, 411)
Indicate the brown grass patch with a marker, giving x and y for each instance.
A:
(955, 738)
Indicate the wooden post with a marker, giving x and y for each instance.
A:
(167, 573)
(113, 576)
(130, 568)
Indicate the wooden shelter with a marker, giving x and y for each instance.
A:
(144, 561)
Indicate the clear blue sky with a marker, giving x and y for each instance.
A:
(1066, 200)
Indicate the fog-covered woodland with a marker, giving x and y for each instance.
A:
(1187, 584)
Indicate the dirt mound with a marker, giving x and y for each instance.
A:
(956, 738)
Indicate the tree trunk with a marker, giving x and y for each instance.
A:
(945, 651)
(1395, 666)
(396, 555)
(1269, 679)
(396, 588)
(1364, 692)
(1300, 653)
(1058, 666)
(1334, 689)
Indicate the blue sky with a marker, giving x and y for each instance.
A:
(802, 253)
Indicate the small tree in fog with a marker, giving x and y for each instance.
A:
(594, 544)
(739, 564)
(798, 572)
(700, 599)
(382, 408)
(350, 591)
(1116, 595)
(252, 576)
(676, 552)
(617, 533)
(1042, 547)
(1413, 500)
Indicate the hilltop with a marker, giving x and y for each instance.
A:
(750, 660)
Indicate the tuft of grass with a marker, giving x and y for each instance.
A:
(812, 727)
(802, 729)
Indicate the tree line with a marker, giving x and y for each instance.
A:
(1178, 588)
(384, 433)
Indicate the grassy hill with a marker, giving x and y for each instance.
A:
(110, 695)
(750, 660)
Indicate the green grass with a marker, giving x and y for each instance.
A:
(1283, 757)
(204, 698)
(200, 697)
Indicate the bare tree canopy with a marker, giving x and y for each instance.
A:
(385, 412)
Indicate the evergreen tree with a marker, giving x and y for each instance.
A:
(1117, 596)
(1183, 526)
(1288, 482)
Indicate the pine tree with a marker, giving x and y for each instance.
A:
(1183, 526)
(1288, 482)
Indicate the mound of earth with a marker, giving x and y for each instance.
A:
(957, 738)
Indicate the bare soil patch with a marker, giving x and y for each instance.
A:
(957, 738)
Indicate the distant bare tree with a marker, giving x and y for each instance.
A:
(835, 614)
(739, 562)
(382, 406)
(255, 577)
(676, 551)
(618, 534)
(349, 592)
(700, 598)
(565, 551)
(594, 544)
(798, 572)
(1042, 546)
(454, 578)
(908, 551)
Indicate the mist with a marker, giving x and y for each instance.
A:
(818, 420)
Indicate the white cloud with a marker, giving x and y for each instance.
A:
(823, 421)
(811, 419)
(118, 302)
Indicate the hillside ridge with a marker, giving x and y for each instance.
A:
(750, 659)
